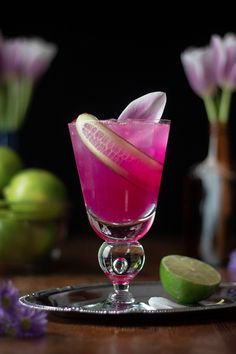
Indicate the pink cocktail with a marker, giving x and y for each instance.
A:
(120, 167)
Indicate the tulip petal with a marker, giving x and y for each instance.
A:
(147, 108)
(197, 64)
(230, 47)
(224, 59)
(232, 75)
(218, 57)
(26, 57)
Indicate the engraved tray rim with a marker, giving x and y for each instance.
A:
(42, 300)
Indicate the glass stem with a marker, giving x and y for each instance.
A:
(121, 262)
(121, 294)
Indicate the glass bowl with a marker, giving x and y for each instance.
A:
(31, 234)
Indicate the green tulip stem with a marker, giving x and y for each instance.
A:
(225, 104)
(210, 108)
(15, 97)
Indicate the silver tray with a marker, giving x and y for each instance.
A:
(80, 301)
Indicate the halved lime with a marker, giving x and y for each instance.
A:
(188, 280)
(117, 153)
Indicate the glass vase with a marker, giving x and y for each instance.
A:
(9, 139)
(210, 229)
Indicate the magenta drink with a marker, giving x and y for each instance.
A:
(121, 176)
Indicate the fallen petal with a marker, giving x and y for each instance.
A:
(161, 303)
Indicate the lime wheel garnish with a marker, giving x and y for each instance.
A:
(117, 153)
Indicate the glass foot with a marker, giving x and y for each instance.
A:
(116, 307)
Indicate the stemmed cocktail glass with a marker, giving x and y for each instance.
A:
(120, 166)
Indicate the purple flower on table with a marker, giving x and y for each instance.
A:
(224, 59)
(232, 260)
(9, 296)
(30, 322)
(197, 64)
(7, 323)
(2, 322)
(16, 319)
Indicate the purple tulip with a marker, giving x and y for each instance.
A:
(148, 107)
(224, 59)
(22, 62)
(23, 57)
(197, 64)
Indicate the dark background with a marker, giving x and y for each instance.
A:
(101, 72)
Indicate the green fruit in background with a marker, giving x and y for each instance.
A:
(10, 164)
(36, 193)
(44, 236)
(24, 240)
(13, 237)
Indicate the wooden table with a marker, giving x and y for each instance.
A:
(199, 336)
(205, 336)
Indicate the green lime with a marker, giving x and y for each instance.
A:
(23, 240)
(3, 203)
(36, 193)
(188, 280)
(10, 163)
(14, 237)
(44, 235)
